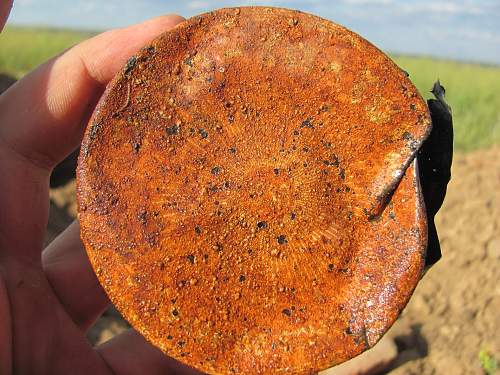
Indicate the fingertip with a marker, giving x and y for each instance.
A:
(103, 63)
(160, 23)
(175, 18)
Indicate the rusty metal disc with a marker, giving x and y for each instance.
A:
(247, 195)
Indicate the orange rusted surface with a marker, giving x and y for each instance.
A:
(234, 190)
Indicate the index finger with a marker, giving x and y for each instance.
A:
(43, 116)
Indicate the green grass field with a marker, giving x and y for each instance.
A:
(473, 90)
(22, 49)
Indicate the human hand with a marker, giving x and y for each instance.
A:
(50, 297)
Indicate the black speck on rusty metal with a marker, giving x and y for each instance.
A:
(130, 65)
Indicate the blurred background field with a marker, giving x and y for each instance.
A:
(23, 48)
(472, 89)
(452, 322)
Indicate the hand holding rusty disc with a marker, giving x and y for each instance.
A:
(247, 195)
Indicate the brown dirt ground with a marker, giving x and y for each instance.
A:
(455, 310)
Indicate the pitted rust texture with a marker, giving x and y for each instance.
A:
(236, 192)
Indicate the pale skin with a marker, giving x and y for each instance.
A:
(50, 297)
